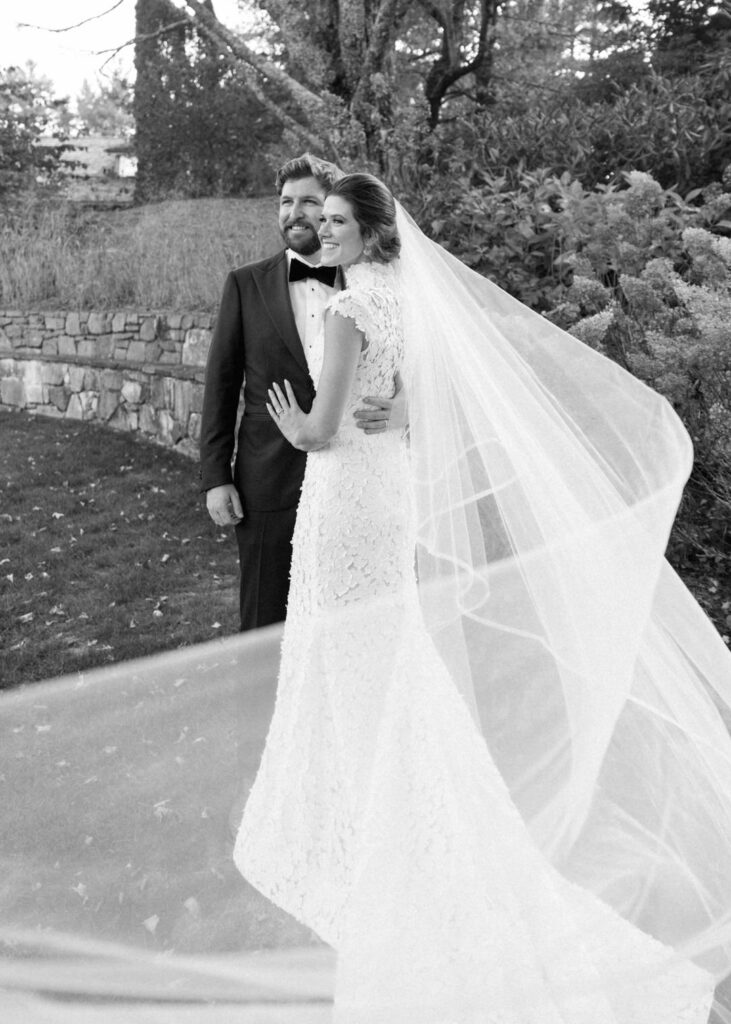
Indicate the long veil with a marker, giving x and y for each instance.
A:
(119, 899)
(546, 480)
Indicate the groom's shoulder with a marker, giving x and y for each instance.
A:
(264, 266)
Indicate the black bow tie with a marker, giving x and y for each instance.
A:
(298, 271)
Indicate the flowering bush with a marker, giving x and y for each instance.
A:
(652, 288)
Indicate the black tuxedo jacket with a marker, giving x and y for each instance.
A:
(255, 342)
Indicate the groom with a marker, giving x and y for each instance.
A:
(270, 314)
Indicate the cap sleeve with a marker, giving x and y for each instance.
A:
(354, 305)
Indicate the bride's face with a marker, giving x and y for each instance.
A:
(341, 241)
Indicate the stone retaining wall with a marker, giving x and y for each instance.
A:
(131, 370)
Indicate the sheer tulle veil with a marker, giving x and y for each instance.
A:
(545, 482)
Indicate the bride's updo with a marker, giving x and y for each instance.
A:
(375, 211)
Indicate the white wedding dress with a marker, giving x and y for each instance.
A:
(378, 816)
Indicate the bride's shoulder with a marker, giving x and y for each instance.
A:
(369, 296)
(370, 277)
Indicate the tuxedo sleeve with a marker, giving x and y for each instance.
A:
(224, 377)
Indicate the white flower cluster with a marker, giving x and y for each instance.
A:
(700, 243)
(588, 293)
(644, 197)
(592, 330)
(644, 296)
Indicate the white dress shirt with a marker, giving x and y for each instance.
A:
(308, 303)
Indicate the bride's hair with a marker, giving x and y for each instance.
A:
(375, 211)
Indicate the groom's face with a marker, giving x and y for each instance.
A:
(300, 207)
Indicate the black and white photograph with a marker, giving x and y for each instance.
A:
(365, 512)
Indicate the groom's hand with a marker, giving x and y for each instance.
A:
(224, 505)
(384, 413)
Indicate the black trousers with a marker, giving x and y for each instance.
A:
(265, 555)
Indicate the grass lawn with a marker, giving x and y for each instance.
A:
(170, 255)
(106, 550)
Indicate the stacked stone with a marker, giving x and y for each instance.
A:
(132, 370)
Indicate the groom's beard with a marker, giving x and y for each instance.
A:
(305, 243)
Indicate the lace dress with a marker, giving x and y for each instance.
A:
(378, 817)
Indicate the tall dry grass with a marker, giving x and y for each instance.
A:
(168, 255)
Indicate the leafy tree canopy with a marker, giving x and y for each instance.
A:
(105, 108)
(199, 129)
(28, 111)
(341, 74)
(385, 83)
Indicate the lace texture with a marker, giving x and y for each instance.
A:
(378, 817)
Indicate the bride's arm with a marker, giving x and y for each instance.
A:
(309, 431)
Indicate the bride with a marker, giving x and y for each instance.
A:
(496, 780)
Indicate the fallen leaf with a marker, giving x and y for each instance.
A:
(192, 906)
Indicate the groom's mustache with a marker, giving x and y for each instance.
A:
(301, 223)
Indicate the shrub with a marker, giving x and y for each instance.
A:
(507, 233)
(664, 281)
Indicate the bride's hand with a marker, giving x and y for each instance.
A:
(284, 410)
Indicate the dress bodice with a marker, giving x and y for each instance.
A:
(371, 300)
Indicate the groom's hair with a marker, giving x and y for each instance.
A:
(308, 166)
(374, 208)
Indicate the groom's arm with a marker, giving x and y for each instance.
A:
(223, 381)
(384, 413)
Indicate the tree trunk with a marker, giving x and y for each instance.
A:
(451, 65)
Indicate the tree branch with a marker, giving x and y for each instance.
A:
(250, 66)
(231, 45)
(146, 35)
(544, 25)
(68, 28)
(435, 12)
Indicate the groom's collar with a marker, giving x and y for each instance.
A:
(292, 255)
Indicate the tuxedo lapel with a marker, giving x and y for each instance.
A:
(272, 282)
